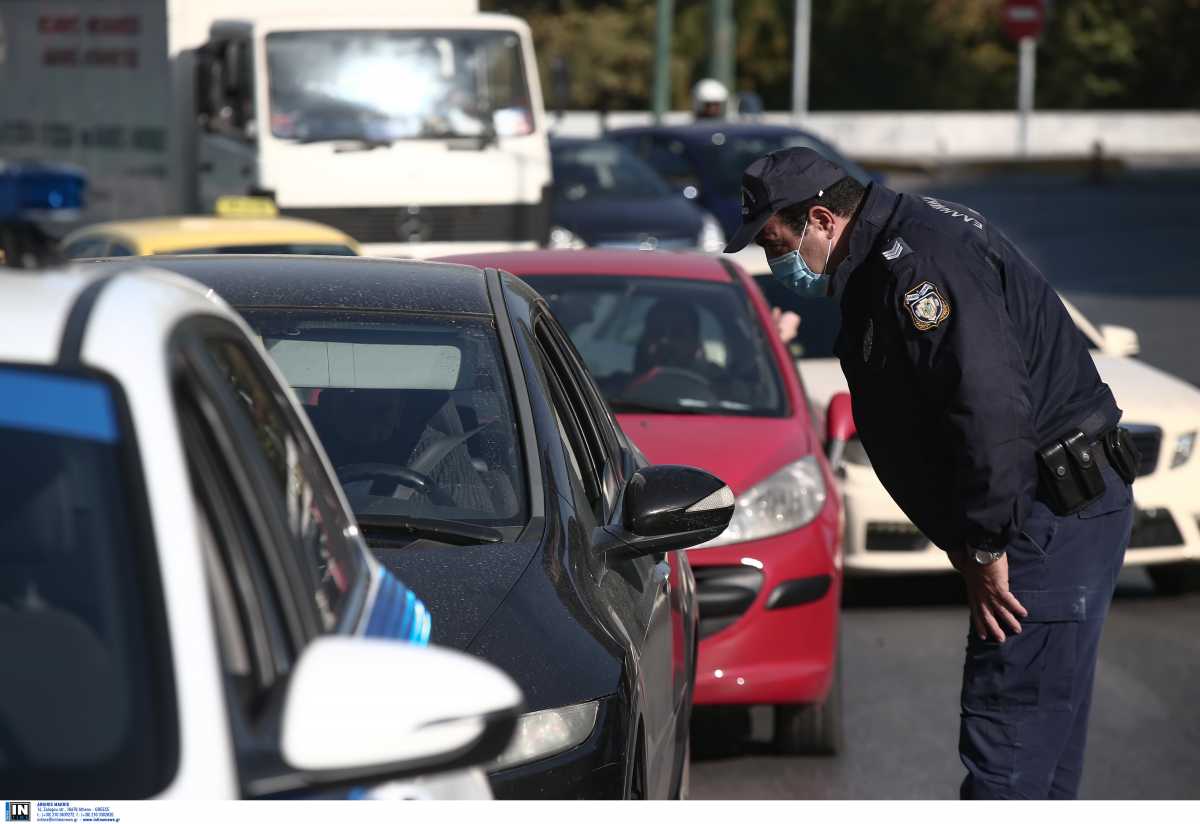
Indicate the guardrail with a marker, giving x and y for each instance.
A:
(938, 136)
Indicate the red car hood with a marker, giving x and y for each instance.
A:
(740, 451)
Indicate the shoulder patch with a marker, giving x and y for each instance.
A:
(896, 248)
(927, 306)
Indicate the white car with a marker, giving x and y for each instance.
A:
(1162, 412)
(186, 607)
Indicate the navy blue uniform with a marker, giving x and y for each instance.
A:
(962, 362)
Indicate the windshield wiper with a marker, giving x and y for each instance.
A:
(459, 533)
(619, 405)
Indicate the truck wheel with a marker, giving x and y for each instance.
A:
(811, 729)
(1175, 579)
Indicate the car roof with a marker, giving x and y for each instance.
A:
(704, 129)
(335, 282)
(683, 265)
(40, 311)
(166, 234)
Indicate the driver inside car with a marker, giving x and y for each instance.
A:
(366, 431)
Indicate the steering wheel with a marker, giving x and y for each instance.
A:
(662, 381)
(394, 476)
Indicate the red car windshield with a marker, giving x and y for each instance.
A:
(668, 345)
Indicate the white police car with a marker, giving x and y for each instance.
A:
(186, 607)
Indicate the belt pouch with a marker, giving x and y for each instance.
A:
(1058, 481)
(1082, 456)
(1122, 453)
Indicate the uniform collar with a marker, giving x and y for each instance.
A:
(878, 205)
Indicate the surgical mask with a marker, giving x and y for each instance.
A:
(793, 272)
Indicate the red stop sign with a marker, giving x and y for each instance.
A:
(1023, 18)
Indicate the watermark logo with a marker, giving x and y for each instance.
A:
(16, 811)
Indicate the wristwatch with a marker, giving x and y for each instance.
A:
(983, 557)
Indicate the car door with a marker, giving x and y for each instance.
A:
(642, 585)
(281, 567)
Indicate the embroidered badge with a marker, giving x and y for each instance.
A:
(927, 306)
(868, 340)
(896, 249)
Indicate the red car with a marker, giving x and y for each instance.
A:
(684, 348)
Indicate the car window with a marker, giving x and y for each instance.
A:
(415, 412)
(88, 247)
(582, 450)
(668, 345)
(269, 249)
(314, 520)
(119, 249)
(603, 169)
(86, 702)
(603, 424)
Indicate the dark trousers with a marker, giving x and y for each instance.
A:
(1025, 701)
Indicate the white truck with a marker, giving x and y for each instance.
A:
(415, 126)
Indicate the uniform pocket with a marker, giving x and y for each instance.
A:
(1033, 670)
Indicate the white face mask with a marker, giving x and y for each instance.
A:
(793, 271)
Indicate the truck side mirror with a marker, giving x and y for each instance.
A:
(839, 427)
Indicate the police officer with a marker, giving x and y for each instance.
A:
(984, 417)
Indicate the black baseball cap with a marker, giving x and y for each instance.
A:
(776, 181)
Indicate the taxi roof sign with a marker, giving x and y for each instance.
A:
(245, 206)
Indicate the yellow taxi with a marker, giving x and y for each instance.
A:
(236, 229)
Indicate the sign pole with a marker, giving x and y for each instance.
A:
(662, 58)
(800, 58)
(1027, 69)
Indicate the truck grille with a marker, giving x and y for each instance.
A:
(1148, 440)
(724, 593)
(525, 222)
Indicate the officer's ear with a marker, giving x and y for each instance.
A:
(822, 221)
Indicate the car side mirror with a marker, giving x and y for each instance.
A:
(669, 507)
(1120, 341)
(361, 709)
(839, 427)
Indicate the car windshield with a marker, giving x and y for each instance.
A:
(603, 170)
(82, 705)
(726, 156)
(379, 85)
(269, 249)
(413, 411)
(668, 345)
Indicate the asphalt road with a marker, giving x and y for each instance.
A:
(1125, 252)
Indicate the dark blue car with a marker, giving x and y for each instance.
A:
(705, 160)
(606, 196)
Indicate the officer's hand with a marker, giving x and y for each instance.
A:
(993, 607)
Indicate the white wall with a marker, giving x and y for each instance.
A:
(932, 136)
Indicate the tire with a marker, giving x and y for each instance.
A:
(811, 729)
(1175, 579)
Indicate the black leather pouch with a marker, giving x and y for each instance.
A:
(1070, 478)
(1122, 453)
(1081, 455)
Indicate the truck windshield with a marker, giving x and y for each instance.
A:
(382, 86)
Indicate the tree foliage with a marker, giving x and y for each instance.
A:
(879, 54)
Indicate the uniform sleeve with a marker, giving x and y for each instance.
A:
(968, 361)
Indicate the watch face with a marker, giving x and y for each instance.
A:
(984, 557)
